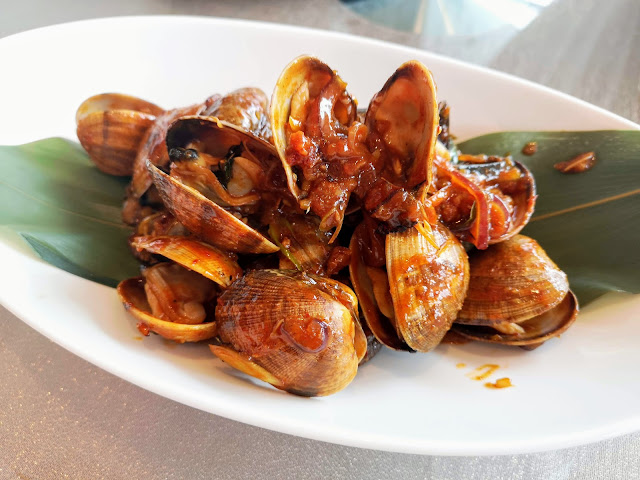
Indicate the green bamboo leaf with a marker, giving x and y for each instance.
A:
(67, 210)
(589, 223)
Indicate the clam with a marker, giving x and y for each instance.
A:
(175, 300)
(402, 119)
(381, 325)
(189, 312)
(198, 256)
(412, 304)
(153, 148)
(530, 333)
(156, 224)
(311, 114)
(221, 175)
(279, 327)
(247, 108)
(429, 281)
(301, 243)
(494, 196)
(111, 127)
(402, 125)
(514, 290)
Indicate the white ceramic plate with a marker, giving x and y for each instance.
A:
(580, 388)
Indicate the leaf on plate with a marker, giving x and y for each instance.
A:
(589, 223)
(67, 210)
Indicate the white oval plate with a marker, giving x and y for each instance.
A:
(580, 388)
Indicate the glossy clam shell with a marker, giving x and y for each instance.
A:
(537, 330)
(380, 326)
(511, 281)
(115, 101)
(525, 205)
(343, 294)
(428, 284)
(299, 71)
(307, 248)
(206, 219)
(248, 108)
(153, 148)
(111, 126)
(194, 255)
(405, 115)
(290, 329)
(134, 298)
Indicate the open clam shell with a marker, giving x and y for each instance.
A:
(217, 136)
(511, 282)
(153, 148)
(524, 200)
(535, 331)
(281, 328)
(206, 219)
(307, 74)
(312, 116)
(111, 126)
(428, 284)
(514, 181)
(133, 296)
(380, 325)
(404, 117)
(194, 255)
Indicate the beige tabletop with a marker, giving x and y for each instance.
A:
(61, 417)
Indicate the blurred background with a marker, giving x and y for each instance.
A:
(569, 45)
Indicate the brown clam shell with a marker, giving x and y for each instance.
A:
(537, 330)
(404, 114)
(524, 201)
(428, 284)
(380, 326)
(281, 322)
(302, 70)
(115, 101)
(134, 298)
(153, 148)
(194, 255)
(111, 126)
(206, 219)
(248, 108)
(511, 281)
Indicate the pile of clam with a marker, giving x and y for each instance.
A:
(299, 237)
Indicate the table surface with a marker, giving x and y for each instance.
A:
(62, 417)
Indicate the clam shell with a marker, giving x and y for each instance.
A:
(153, 148)
(304, 70)
(194, 255)
(524, 202)
(206, 219)
(404, 114)
(428, 284)
(132, 295)
(111, 126)
(306, 247)
(115, 101)
(217, 135)
(380, 326)
(248, 108)
(511, 281)
(537, 330)
(290, 328)
(343, 294)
